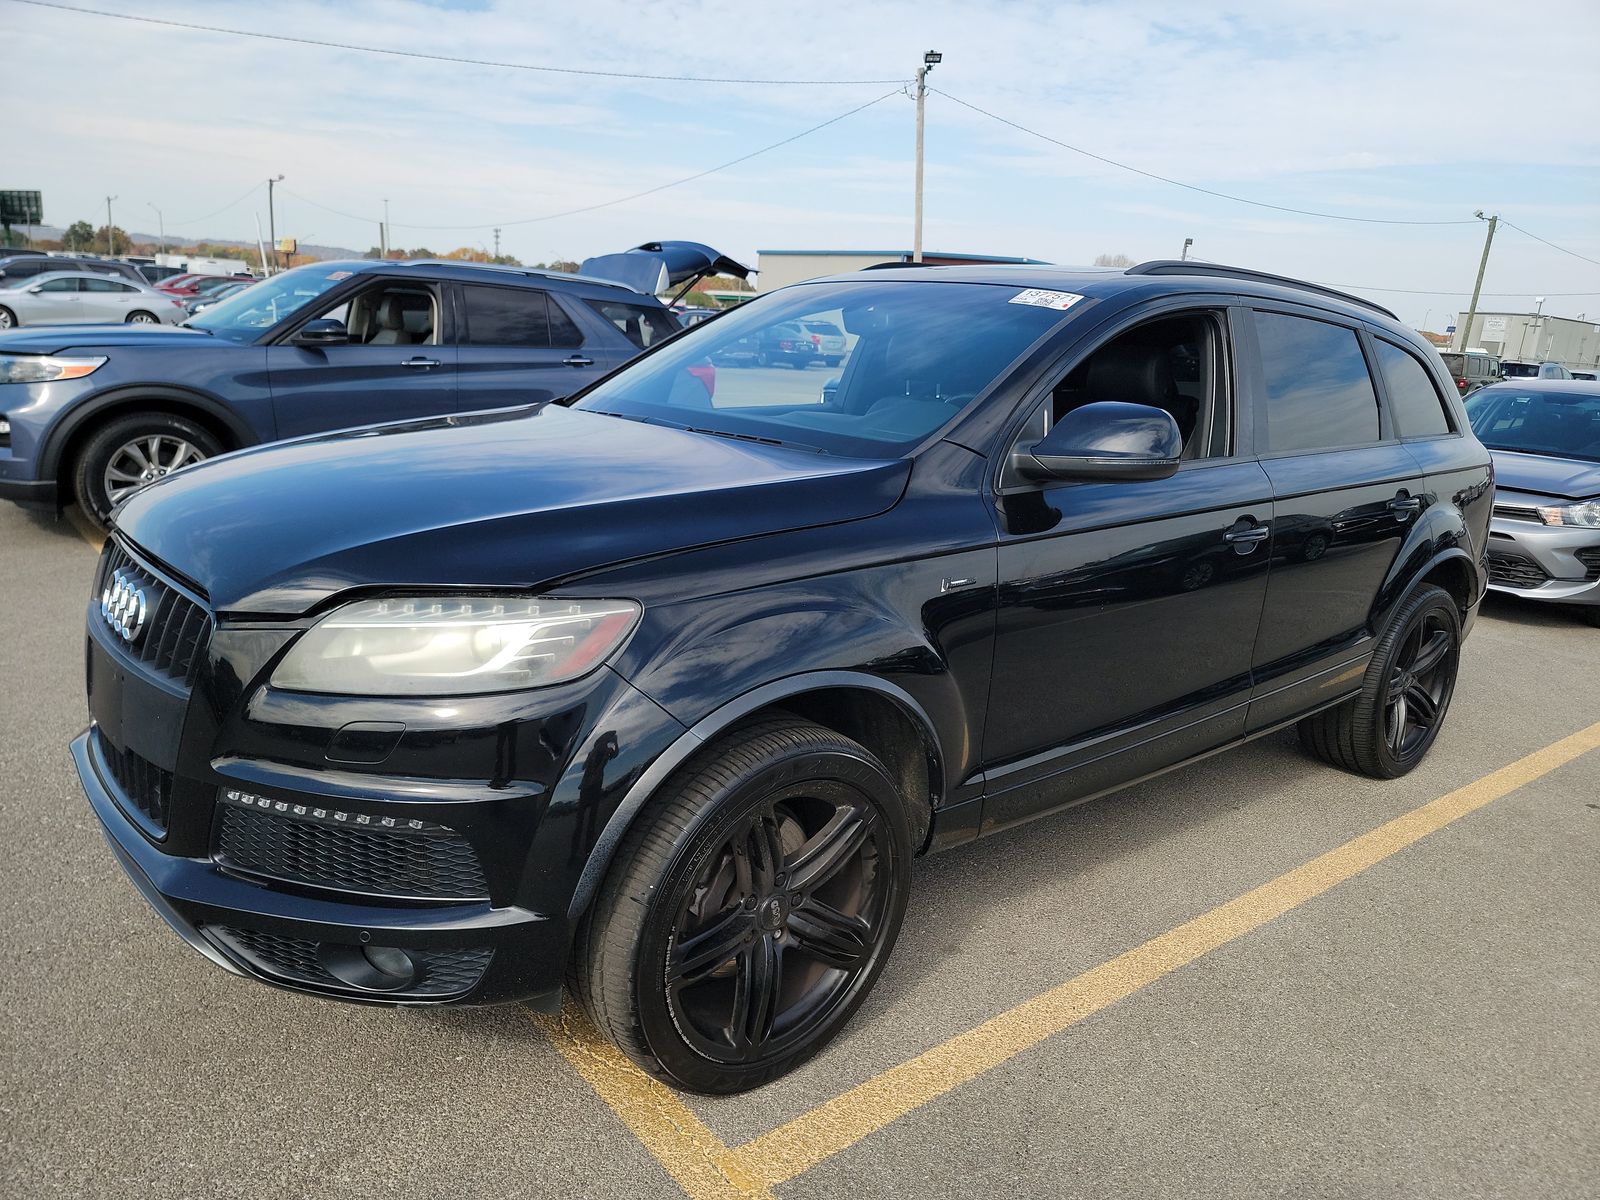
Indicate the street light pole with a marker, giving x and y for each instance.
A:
(1187, 242)
(110, 237)
(161, 224)
(929, 60)
(272, 222)
(383, 241)
(1465, 328)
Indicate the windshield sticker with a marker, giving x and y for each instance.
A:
(1043, 299)
(341, 274)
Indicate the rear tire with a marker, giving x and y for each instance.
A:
(142, 318)
(750, 908)
(115, 450)
(1388, 727)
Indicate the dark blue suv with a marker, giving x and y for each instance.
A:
(91, 413)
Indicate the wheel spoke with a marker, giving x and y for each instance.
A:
(823, 933)
(1431, 653)
(1398, 713)
(755, 995)
(833, 846)
(136, 452)
(1421, 707)
(695, 957)
(113, 472)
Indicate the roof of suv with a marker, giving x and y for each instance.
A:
(1161, 276)
(449, 268)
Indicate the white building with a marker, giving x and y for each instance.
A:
(780, 268)
(1537, 337)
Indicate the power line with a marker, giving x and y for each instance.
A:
(1552, 245)
(254, 188)
(660, 187)
(444, 58)
(1303, 212)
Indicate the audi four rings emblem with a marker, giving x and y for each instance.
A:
(123, 606)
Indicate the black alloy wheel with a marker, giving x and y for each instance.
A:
(1385, 730)
(752, 906)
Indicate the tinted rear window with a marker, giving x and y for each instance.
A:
(1418, 408)
(502, 316)
(1319, 394)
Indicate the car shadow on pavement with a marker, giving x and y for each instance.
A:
(1533, 614)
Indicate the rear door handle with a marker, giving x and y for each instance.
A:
(420, 362)
(577, 360)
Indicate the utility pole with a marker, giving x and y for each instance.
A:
(383, 242)
(110, 237)
(272, 223)
(1465, 329)
(929, 60)
(497, 242)
(1187, 242)
(161, 224)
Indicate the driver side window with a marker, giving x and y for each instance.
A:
(390, 314)
(1175, 363)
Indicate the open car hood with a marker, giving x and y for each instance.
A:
(657, 267)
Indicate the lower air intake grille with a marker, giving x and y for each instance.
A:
(324, 848)
(440, 973)
(1590, 558)
(144, 785)
(1513, 570)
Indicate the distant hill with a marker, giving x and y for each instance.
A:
(56, 233)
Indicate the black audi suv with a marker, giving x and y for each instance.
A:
(658, 689)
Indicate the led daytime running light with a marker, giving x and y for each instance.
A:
(332, 816)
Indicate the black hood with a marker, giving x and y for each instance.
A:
(519, 499)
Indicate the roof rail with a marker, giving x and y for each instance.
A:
(1173, 266)
(508, 269)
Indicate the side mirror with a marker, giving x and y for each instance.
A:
(322, 332)
(36, 289)
(1105, 441)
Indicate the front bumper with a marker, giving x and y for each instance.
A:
(383, 851)
(35, 493)
(1558, 563)
(284, 937)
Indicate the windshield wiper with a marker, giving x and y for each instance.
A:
(751, 437)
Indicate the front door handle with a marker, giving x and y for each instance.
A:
(1404, 506)
(1246, 536)
(577, 360)
(420, 362)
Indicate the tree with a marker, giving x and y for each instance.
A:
(119, 242)
(1112, 260)
(469, 254)
(79, 236)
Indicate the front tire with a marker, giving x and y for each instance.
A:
(131, 452)
(8, 319)
(751, 907)
(1386, 730)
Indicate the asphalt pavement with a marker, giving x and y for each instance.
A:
(1424, 1028)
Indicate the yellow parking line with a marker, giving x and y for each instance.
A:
(85, 530)
(690, 1152)
(686, 1148)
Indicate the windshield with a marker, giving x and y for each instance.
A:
(1562, 424)
(242, 317)
(915, 354)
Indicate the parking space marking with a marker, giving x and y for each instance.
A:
(687, 1148)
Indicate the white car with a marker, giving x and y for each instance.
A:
(84, 297)
(829, 339)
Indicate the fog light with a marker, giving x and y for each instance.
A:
(370, 968)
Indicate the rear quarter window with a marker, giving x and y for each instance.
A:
(1319, 394)
(1415, 401)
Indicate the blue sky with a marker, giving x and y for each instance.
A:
(1422, 111)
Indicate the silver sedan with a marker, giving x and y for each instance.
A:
(77, 297)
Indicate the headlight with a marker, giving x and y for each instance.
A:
(42, 368)
(450, 646)
(1585, 512)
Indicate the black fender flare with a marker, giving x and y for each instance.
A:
(705, 730)
(87, 410)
